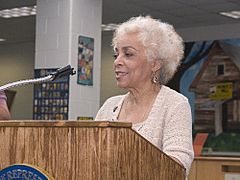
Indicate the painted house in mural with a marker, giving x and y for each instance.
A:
(217, 92)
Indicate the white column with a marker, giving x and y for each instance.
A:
(218, 118)
(59, 23)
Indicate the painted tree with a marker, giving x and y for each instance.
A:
(201, 53)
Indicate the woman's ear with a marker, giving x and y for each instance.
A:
(156, 65)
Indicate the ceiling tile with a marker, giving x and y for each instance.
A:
(220, 7)
(156, 4)
(187, 12)
(180, 13)
(199, 2)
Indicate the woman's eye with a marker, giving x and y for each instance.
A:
(128, 54)
(115, 56)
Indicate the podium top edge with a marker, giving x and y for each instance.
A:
(62, 123)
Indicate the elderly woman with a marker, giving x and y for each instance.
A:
(4, 112)
(147, 54)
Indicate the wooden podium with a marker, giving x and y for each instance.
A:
(85, 150)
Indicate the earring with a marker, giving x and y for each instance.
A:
(154, 78)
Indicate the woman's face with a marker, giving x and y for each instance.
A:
(131, 66)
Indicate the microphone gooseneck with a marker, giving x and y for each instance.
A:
(61, 72)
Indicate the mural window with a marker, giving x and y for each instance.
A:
(220, 69)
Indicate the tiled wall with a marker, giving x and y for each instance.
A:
(59, 23)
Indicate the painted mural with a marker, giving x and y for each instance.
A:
(210, 77)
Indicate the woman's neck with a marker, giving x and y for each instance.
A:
(138, 96)
(138, 104)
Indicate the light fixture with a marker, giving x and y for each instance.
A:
(109, 27)
(18, 12)
(231, 14)
(1, 39)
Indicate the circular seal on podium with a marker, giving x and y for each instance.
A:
(24, 172)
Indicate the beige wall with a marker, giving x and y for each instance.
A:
(17, 63)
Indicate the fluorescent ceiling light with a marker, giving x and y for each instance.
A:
(231, 14)
(109, 27)
(18, 12)
(1, 39)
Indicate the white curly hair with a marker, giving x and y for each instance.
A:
(160, 40)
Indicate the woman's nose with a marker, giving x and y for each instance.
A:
(118, 61)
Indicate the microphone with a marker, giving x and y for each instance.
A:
(59, 73)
